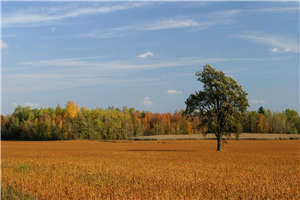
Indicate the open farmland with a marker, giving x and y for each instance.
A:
(151, 170)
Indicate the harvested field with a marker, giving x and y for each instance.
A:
(151, 170)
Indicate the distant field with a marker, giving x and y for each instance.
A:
(190, 169)
(243, 136)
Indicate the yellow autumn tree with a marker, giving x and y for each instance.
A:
(84, 108)
(267, 127)
(189, 127)
(72, 109)
(58, 121)
(261, 123)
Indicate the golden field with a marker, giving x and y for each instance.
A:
(151, 170)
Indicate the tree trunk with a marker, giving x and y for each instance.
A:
(219, 142)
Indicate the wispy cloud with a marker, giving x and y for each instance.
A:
(87, 63)
(212, 19)
(145, 55)
(101, 35)
(64, 73)
(163, 24)
(3, 45)
(147, 101)
(174, 92)
(66, 79)
(43, 15)
(14, 104)
(101, 64)
(65, 62)
(264, 10)
(277, 43)
(277, 9)
(223, 17)
(30, 104)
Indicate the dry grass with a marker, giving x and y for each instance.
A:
(152, 169)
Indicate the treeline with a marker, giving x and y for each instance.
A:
(266, 121)
(73, 122)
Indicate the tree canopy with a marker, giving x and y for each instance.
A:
(220, 104)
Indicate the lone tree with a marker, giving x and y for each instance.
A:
(220, 104)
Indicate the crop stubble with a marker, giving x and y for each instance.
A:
(152, 169)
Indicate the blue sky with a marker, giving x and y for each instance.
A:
(145, 55)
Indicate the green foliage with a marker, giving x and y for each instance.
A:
(113, 123)
(261, 110)
(10, 193)
(220, 104)
(74, 123)
(273, 122)
(23, 168)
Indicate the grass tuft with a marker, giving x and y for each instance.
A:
(10, 193)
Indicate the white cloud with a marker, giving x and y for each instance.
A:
(276, 50)
(64, 62)
(278, 43)
(267, 10)
(147, 101)
(169, 24)
(154, 26)
(3, 45)
(92, 63)
(42, 15)
(278, 9)
(100, 35)
(174, 92)
(216, 18)
(145, 55)
(86, 63)
(59, 74)
(161, 24)
(88, 71)
(14, 104)
(39, 15)
(224, 17)
(256, 101)
(30, 104)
